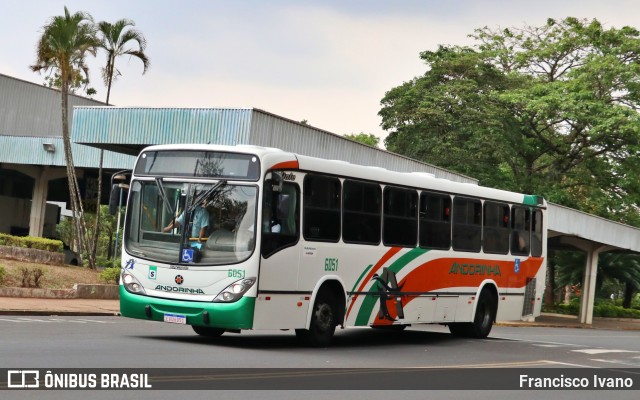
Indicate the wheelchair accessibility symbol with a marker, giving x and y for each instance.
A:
(187, 255)
(516, 266)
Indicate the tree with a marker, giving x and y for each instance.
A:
(550, 110)
(114, 39)
(617, 267)
(368, 139)
(65, 42)
(624, 268)
(53, 81)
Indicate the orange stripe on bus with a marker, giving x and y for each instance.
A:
(287, 165)
(437, 274)
(392, 251)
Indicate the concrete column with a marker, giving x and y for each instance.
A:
(593, 251)
(38, 203)
(590, 277)
(41, 175)
(589, 287)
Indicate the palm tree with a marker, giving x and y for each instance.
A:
(622, 267)
(114, 39)
(625, 268)
(65, 42)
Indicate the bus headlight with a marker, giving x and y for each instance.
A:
(235, 291)
(131, 284)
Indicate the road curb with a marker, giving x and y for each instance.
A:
(79, 291)
(41, 313)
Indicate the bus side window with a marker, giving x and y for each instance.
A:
(321, 208)
(361, 212)
(536, 237)
(520, 231)
(280, 217)
(467, 224)
(496, 228)
(435, 221)
(400, 217)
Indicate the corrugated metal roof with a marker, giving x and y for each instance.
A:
(31, 150)
(29, 109)
(274, 131)
(130, 129)
(147, 126)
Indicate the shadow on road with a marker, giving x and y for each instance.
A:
(348, 338)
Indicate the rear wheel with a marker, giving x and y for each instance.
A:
(485, 316)
(323, 322)
(483, 320)
(207, 331)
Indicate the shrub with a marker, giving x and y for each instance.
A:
(107, 262)
(2, 275)
(31, 277)
(613, 311)
(31, 242)
(111, 275)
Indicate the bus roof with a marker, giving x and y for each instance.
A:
(345, 169)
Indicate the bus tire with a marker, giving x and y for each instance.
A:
(482, 321)
(485, 316)
(323, 322)
(208, 331)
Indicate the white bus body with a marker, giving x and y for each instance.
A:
(297, 242)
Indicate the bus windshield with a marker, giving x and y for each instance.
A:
(210, 223)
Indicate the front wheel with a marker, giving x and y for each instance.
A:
(323, 322)
(208, 331)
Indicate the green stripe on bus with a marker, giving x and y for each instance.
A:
(360, 278)
(530, 200)
(370, 300)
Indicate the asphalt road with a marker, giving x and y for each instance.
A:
(116, 342)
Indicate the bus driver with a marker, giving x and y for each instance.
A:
(200, 218)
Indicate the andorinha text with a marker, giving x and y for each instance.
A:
(474, 269)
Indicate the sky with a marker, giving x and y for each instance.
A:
(328, 62)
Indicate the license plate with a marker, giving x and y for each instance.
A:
(175, 319)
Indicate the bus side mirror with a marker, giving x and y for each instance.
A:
(114, 197)
(276, 182)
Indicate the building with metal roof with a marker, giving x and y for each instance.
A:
(129, 130)
(32, 163)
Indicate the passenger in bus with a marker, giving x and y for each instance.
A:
(520, 242)
(200, 218)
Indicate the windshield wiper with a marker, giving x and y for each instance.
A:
(163, 194)
(206, 194)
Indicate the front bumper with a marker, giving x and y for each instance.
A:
(236, 315)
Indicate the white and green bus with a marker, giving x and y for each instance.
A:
(287, 241)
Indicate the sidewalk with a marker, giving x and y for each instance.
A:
(571, 321)
(38, 306)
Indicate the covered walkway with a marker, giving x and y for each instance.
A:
(593, 235)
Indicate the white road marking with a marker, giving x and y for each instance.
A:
(603, 351)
